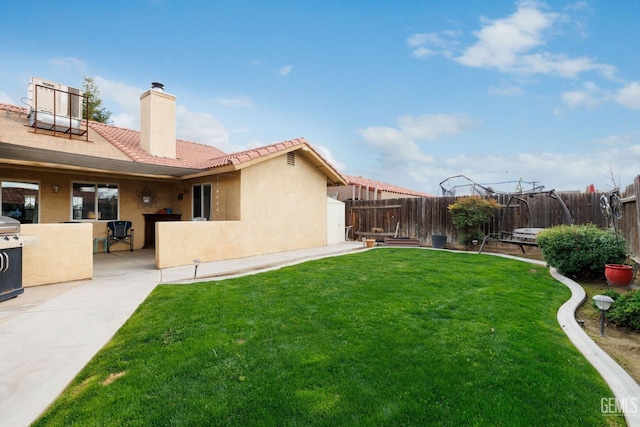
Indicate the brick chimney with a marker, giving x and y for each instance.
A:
(158, 122)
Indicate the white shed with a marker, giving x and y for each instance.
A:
(335, 221)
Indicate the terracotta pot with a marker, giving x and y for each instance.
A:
(618, 274)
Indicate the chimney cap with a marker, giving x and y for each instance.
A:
(157, 86)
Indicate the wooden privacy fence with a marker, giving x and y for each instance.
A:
(419, 218)
(630, 221)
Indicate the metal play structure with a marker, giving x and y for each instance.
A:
(522, 235)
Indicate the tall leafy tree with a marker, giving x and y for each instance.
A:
(92, 107)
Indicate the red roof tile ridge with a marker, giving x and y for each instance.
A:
(251, 153)
(352, 179)
(13, 108)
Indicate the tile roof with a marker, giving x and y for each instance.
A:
(189, 154)
(108, 141)
(251, 154)
(382, 186)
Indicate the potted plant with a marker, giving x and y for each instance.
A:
(619, 274)
(469, 214)
(438, 240)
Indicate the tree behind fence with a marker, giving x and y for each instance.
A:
(419, 218)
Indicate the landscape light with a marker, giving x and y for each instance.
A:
(196, 263)
(603, 302)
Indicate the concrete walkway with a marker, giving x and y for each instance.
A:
(49, 333)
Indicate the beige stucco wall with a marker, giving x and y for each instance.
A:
(283, 208)
(225, 196)
(64, 253)
(285, 204)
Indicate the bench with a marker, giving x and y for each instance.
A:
(401, 241)
(519, 236)
(379, 237)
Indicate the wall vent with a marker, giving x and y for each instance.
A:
(291, 158)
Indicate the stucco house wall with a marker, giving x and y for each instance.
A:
(225, 203)
(55, 207)
(283, 208)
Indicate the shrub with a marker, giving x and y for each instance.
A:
(625, 311)
(469, 214)
(581, 251)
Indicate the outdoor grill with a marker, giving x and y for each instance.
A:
(11, 244)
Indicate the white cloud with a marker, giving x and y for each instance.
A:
(121, 99)
(124, 101)
(125, 120)
(395, 148)
(501, 41)
(629, 96)
(428, 44)
(203, 128)
(326, 153)
(515, 44)
(284, 71)
(235, 102)
(505, 91)
(418, 39)
(429, 127)
(398, 153)
(589, 97)
(399, 159)
(423, 52)
(613, 140)
(564, 172)
(70, 63)
(578, 98)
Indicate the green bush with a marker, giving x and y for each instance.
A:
(625, 311)
(469, 214)
(581, 251)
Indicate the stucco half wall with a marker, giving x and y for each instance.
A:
(179, 243)
(63, 253)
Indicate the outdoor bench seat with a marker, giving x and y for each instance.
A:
(379, 237)
(519, 236)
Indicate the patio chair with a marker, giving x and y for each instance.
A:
(119, 231)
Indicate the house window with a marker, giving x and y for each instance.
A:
(20, 201)
(201, 206)
(95, 201)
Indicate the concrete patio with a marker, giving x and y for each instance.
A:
(49, 333)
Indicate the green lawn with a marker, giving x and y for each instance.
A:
(392, 336)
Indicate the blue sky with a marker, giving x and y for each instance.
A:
(404, 92)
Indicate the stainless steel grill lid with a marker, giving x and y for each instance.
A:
(9, 226)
